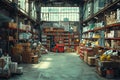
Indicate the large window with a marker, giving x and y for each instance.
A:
(60, 13)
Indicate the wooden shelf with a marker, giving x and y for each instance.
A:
(46, 44)
(112, 38)
(34, 33)
(96, 29)
(112, 25)
(91, 38)
(12, 28)
(21, 30)
(101, 11)
(74, 44)
(66, 44)
(13, 40)
(56, 34)
(106, 48)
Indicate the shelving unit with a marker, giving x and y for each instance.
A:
(101, 11)
(60, 36)
(100, 31)
(104, 29)
(18, 16)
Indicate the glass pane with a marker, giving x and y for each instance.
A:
(60, 13)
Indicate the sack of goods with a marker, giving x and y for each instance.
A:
(13, 67)
(19, 70)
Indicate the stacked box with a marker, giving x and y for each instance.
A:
(88, 53)
(111, 17)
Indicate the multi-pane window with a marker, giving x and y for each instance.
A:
(60, 13)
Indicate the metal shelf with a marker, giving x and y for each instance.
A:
(91, 38)
(106, 48)
(103, 28)
(21, 12)
(101, 11)
(112, 38)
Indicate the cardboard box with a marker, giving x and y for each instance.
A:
(106, 64)
(87, 54)
(34, 59)
(91, 61)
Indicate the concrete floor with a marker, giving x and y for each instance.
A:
(59, 66)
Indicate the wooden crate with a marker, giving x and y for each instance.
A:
(34, 59)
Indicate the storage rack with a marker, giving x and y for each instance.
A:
(105, 27)
(20, 15)
(60, 35)
(112, 7)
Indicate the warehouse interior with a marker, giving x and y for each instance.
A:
(59, 39)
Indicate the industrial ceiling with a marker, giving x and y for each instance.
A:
(77, 2)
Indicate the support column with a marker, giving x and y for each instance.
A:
(81, 20)
(30, 8)
(38, 11)
(14, 13)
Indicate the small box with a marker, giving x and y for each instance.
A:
(34, 59)
(19, 70)
(2, 63)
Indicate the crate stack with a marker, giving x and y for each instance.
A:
(28, 56)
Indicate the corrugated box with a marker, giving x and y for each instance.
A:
(91, 61)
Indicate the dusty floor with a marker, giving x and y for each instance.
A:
(59, 66)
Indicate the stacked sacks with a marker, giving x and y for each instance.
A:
(109, 55)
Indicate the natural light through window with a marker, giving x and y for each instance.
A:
(60, 13)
